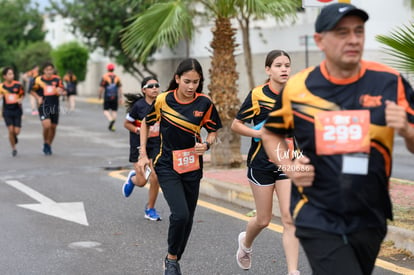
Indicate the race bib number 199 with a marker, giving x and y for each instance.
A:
(342, 132)
(185, 160)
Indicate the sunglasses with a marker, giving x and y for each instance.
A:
(152, 85)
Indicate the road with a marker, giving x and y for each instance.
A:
(65, 214)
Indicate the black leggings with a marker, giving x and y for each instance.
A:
(329, 253)
(181, 193)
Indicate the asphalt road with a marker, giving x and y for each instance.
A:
(65, 214)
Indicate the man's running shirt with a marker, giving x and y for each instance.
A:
(339, 202)
(181, 123)
(255, 108)
(137, 113)
(48, 89)
(111, 84)
(11, 94)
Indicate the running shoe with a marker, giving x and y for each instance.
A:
(171, 267)
(295, 272)
(128, 185)
(151, 214)
(111, 126)
(243, 255)
(35, 113)
(47, 150)
(14, 153)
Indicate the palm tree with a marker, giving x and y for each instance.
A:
(174, 22)
(400, 45)
(249, 10)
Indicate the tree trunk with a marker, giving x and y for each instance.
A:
(223, 92)
(248, 60)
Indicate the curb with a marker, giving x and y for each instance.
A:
(241, 195)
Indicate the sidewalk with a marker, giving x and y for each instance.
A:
(231, 185)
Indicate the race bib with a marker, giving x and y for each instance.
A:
(342, 132)
(154, 130)
(11, 98)
(185, 160)
(49, 90)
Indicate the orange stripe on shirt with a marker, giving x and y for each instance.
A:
(386, 156)
(296, 113)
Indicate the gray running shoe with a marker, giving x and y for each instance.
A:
(171, 267)
(243, 255)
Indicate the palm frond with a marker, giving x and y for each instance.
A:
(163, 24)
(400, 46)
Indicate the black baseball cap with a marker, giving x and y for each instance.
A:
(331, 14)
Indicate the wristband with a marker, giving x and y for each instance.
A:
(208, 145)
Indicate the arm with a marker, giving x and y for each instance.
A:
(300, 171)
(120, 93)
(238, 127)
(396, 117)
(100, 92)
(131, 127)
(38, 98)
(201, 148)
(143, 160)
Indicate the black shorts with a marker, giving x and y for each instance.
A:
(13, 120)
(134, 153)
(49, 112)
(71, 93)
(110, 105)
(263, 177)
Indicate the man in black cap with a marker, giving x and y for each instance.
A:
(343, 113)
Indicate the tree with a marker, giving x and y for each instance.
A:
(20, 25)
(34, 54)
(400, 46)
(71, 56)
(100, 23)
(175, 23)
(249, 10)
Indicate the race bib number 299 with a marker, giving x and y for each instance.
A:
(342, 132)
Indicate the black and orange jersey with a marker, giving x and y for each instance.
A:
(338, 202)
(11, 94)
(255, 108)
(111, 84)
(137, 113)
(48, 89)
(107, 79)
(181, 123)
(70, 82)
(70, 78)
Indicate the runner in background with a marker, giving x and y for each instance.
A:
(70, 83)
(111, 91)
(12, 92)
(46, 89)
(182, 111)
(137, 108)
(28, 79)
(263, 175)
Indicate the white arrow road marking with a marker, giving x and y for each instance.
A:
(70, 211)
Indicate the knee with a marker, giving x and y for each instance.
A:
(181, 217)
(263, 222)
